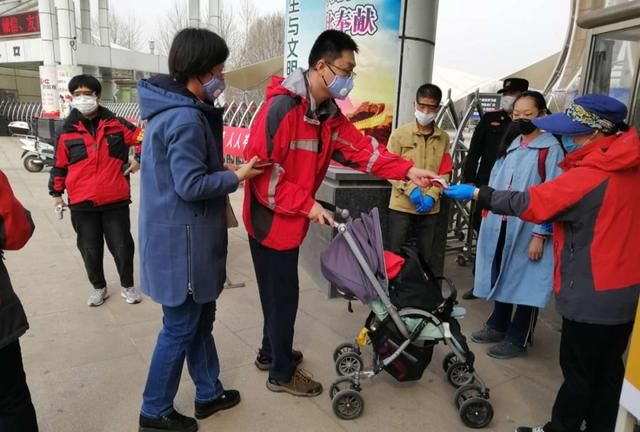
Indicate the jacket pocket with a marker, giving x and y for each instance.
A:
(77, 150)
(117, 148)
(189, 260)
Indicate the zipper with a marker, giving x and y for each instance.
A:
(189, 279)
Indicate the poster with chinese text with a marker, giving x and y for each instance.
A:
(49, 91)
(374, 25)
(305, 21)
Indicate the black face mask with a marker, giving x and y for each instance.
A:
(524, 126)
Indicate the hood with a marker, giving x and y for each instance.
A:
(161, 93)
(614, 153)
(296, 85)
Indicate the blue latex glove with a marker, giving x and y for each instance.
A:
(416, 196)
(426, 205)
(547, 226)
(460, 192)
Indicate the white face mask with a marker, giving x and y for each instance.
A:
(85, 104)
(425, 119)
(507, 103)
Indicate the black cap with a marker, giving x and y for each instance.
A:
(514, 84)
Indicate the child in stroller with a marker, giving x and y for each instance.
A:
(409, 317)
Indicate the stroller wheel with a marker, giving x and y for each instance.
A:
(345, 348)
(343, 383)
(467, 392)
(459, 374)
(348, 364)
(476, 413)
(348, 404)
(449, 360)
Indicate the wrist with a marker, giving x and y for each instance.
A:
(476, 192)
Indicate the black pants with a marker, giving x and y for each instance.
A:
(400, 226)
(16, 410)
(277, 276)
(93, 228)
(518, 326)
(593, 370)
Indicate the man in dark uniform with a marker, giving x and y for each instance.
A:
(485, 143)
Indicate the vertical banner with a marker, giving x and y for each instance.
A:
(630, 398)
(65, 73)
(49, 91)
(374, 25)
(305, 21)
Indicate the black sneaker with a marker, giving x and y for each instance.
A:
(229, 399)
(487, 336)
(264, 363)
(172, 422)
(469, 295)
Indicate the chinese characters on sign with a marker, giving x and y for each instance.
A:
(24, 23)
(293, 31)
(360, 20)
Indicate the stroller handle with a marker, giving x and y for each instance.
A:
(340, 212)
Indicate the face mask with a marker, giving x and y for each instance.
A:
(85, 104)
(214, 88)
(340, 87)
(506, 103)
(425, 119)
(569, 143)
(524, 126)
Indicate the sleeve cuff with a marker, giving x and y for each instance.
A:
(484, 197)
(307, 206)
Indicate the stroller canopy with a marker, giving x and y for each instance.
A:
(340, 266)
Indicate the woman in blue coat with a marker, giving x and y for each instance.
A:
(514, 264)
(183, 229)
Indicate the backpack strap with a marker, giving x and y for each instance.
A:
(542, 164)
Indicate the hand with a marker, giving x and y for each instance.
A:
(535, 248)
(416, 196)
(59, 201)
(460, 192)
(247, 171)
(320, 215)
(134, 167)
(421, 176)
(231, 167)
(426, 204)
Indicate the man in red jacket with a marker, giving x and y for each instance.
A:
(92, 165)
(16, 408)
(299, 130)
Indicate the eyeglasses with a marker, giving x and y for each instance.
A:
(349, 74)
(428, 107)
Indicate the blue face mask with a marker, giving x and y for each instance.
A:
(569, 143)
(340, 87)
(214, 88)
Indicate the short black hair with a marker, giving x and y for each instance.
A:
(430, 91)
(194, 52)
(84, 80)
(329, 46)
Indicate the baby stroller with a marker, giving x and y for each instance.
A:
(409, 317)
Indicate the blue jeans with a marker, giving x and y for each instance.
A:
(186, 332)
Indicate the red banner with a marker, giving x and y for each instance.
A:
(20, 24)
(235, 140)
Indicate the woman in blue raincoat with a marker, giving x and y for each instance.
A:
(514, 266)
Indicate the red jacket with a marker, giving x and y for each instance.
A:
(91, 168)
(596, 233)
(301, 144)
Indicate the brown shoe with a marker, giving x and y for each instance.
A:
(301, 384)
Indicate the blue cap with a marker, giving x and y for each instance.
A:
(586, 114)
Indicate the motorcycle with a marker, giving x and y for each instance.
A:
(36, 154)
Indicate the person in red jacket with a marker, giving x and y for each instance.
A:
(594, 209)
(297, 133)
(92, 164)
(16, 409)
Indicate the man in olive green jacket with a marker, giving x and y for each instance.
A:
(412, 207)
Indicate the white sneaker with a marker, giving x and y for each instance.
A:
(131, 295)
(97, 296)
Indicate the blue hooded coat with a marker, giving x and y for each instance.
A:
(183, 195)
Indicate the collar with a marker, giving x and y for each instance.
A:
(437, 132)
